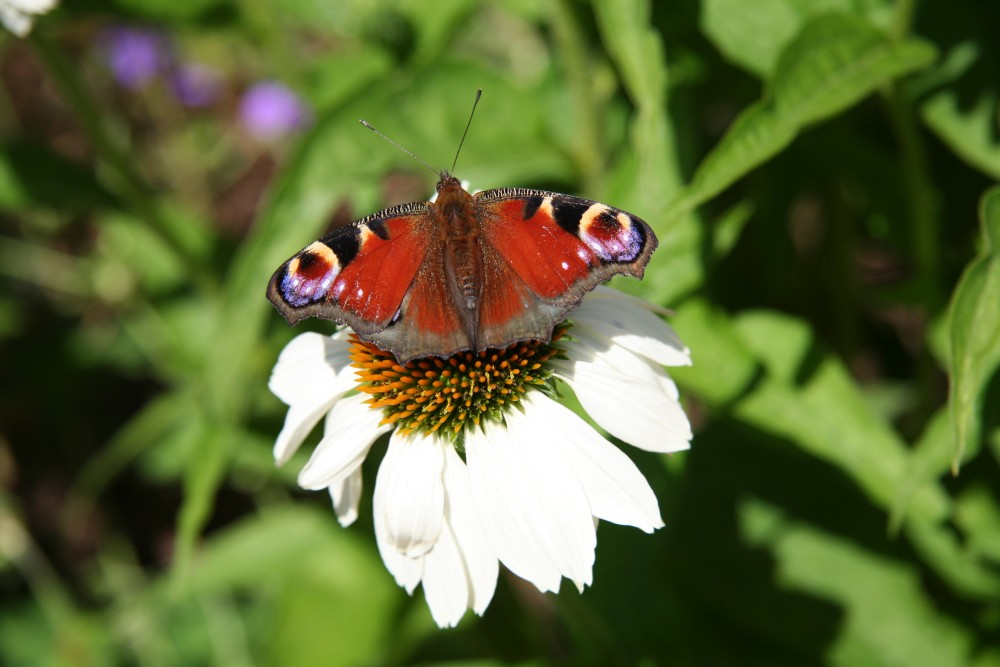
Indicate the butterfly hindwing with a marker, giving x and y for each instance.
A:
(429, 324)
(356, 275)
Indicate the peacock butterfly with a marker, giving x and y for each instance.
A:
(462, 272)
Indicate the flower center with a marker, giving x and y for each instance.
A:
(448, 395)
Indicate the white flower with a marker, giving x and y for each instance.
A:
(531, 485)
(17, 15)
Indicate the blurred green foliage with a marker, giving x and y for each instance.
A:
(820, 175)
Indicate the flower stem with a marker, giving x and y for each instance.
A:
(918, 188)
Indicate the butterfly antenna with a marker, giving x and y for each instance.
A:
(479, 93)
(408, 152)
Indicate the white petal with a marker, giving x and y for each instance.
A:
(505, 514)
(346, 494)
(409, 492)
(628, 397)
(668, 386)
(15, 20)
(299, 422)
(309, 362)
(461, 570)
(628, 321)
(32, 6)
(481, 563)
(617, 491)
(351, 428)
(536, 515)
(445, 584)
(17, 15)
(406, 571)
(312, 372)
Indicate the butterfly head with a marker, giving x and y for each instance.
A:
(448, 182)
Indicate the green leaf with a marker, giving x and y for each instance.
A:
(964, 570)
(755, 136)
(295, 213)
(127, 242)
(753, 34)
(887, 616)
(952, 556)
(636, 48)
(929, 459)
(638, 52)
(41, 265)
(977, 513)
(171, 10)
(147, 428)
(975, 333)
(28, 636)
(11, 317)
(202, 479)
(327, 583)
(970, 131)
(434, 29)
(815, 403)
(687, 253)
(834, 62)
(765, 369)
(724, 368)
(31, 176)
(335, 79)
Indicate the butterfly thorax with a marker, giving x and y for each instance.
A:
(454, 214)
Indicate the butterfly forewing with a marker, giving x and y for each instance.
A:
(356, 275)
(561, 246)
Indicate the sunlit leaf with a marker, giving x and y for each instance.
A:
(687, 252)
(637, 50)
(333, 80)
(975, 333)
(327, 585)
(978, 515)
(950, 555)
(887, 617)
(834, 62)
(435, 29)
(752, 34)
(796, 391)
(929, 459)
(29, 637)
(202, 479)
(970, 131)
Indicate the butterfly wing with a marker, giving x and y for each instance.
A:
(356, 275)
(387, 276)
(429, 324)
(543, 251)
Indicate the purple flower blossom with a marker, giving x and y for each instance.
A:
(270, 110)
(196, 85)
(135, 55)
